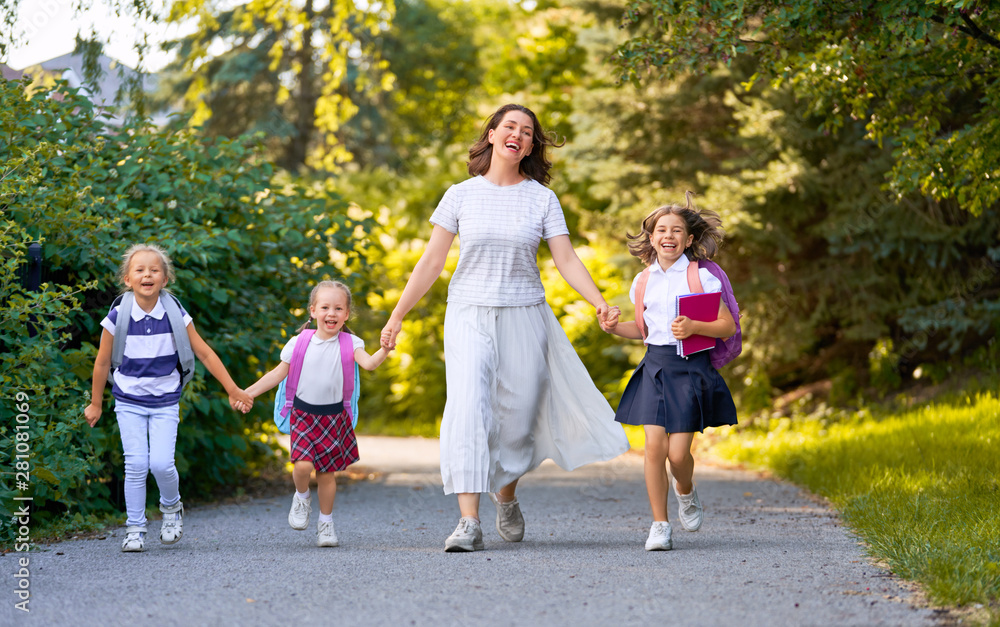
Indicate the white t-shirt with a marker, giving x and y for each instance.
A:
(662, 290)
(499, 229)
(322, 378)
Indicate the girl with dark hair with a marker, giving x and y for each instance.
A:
(517, 391)
(673, 396)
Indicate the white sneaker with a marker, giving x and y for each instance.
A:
(135, 540)
(660, 537)
(173, 523)
(689, 509)
(510, 522)
(325, 535)
(468, 536)
(298, 516)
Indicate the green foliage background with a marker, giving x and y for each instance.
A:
(863, 232)
(246, 242)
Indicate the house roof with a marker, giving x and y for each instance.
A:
(9, 73)
(112, 75)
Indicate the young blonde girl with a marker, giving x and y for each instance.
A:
(674, 396)
(322, 437)
(147, 389)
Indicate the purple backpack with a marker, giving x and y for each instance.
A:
(726, 349)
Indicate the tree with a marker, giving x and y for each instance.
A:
(287, 69)
(923, 76)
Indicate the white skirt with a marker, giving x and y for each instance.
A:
(518, 394)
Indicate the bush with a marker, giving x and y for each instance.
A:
(247, 246)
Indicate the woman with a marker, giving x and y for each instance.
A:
(517, 391)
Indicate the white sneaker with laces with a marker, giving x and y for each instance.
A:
(325, 535)
(173, 523)
(510, 522)
(468, 536)
(689, 509)
(298, 515)
(135, 540)
(660, 537)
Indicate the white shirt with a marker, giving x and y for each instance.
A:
(499, 229)
(322, 378)
(662, 290)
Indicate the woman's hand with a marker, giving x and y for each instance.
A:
(389, 333)
(608, 319)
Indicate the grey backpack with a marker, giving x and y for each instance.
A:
(185, 355)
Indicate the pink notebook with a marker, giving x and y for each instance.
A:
(702, 307)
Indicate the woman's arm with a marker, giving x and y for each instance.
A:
(723, 326)
(575, 273)
(102, 365)
(427, 270)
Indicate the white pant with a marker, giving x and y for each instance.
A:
(517, 394)
(149, 436)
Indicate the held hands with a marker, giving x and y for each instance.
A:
(240, 401)
(682, 327)
(389, 333)
(607, 317)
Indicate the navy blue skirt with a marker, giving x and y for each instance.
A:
(681, 395)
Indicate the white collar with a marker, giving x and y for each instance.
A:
(678, 266)
(158, 311)
(316, 339)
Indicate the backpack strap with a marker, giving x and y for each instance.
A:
(640, 305)
(185, 354)
(694, 281)
(295, 368)
(347, 361)
(121, 331)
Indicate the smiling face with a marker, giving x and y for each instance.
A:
(146, 274)
(330, 311)
(512, 139)
(669, 239)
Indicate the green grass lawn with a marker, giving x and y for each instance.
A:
(921, 487)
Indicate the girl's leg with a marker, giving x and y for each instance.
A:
(326, 489)
(301, 471)
(163, 423)
(655, 470)
(681, 461)
(133, 423)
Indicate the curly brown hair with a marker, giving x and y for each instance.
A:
(535, 166)
(704, 224)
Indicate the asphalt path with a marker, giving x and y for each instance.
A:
(767, 554)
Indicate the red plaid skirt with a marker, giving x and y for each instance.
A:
(326, 441)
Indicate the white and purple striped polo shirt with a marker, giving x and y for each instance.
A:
(148, 375)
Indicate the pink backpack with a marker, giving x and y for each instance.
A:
(289, 385)
(726, 349)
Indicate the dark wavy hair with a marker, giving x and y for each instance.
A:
(535, 166)
(704, 224)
